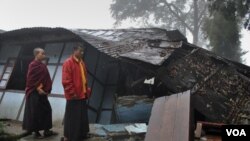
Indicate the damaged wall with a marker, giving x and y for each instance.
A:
(120, 60)
(220, 87)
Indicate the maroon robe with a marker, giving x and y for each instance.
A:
(38, 112)
(38, 74)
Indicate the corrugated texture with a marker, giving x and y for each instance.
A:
(142, 44)
(149, 45)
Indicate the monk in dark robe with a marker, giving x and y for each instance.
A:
(38, 112)
(74, 80)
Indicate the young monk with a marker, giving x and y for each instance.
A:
(38, 112)
(74, 80)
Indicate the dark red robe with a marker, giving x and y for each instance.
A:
(38, 112)
(38, 74)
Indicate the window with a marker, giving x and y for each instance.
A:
(6, 76)
(18, 77)
(3, 83)
(8, 51)
(57, 87)
(53, 52)
(10, 105)
(8, 55)
(67, 51)
(7, 72)
(51, 69)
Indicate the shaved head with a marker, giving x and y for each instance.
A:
(39, 54)
(36, 51)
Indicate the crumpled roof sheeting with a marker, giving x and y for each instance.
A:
(38, 34)
(126, 43)
(184, 73)
(154, 56)
(122, 35)
(226, 96)
(149, 45)
(220, 92)
(34, 31)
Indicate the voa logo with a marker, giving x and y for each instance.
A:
(236, 132)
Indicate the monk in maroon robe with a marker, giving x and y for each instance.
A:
(38, 112)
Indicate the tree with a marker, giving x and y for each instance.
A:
(247, 22)
(170, 14)
(223, 27)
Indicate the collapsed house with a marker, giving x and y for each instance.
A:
(126, 64)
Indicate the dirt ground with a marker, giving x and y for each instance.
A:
(96, 132)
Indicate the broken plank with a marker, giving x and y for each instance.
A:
(170, 118)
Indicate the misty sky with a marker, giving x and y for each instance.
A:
(92, 14)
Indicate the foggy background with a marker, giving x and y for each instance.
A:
(88, 14)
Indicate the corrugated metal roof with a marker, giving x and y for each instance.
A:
(150, 45)
(122, 35)
(34, 30)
